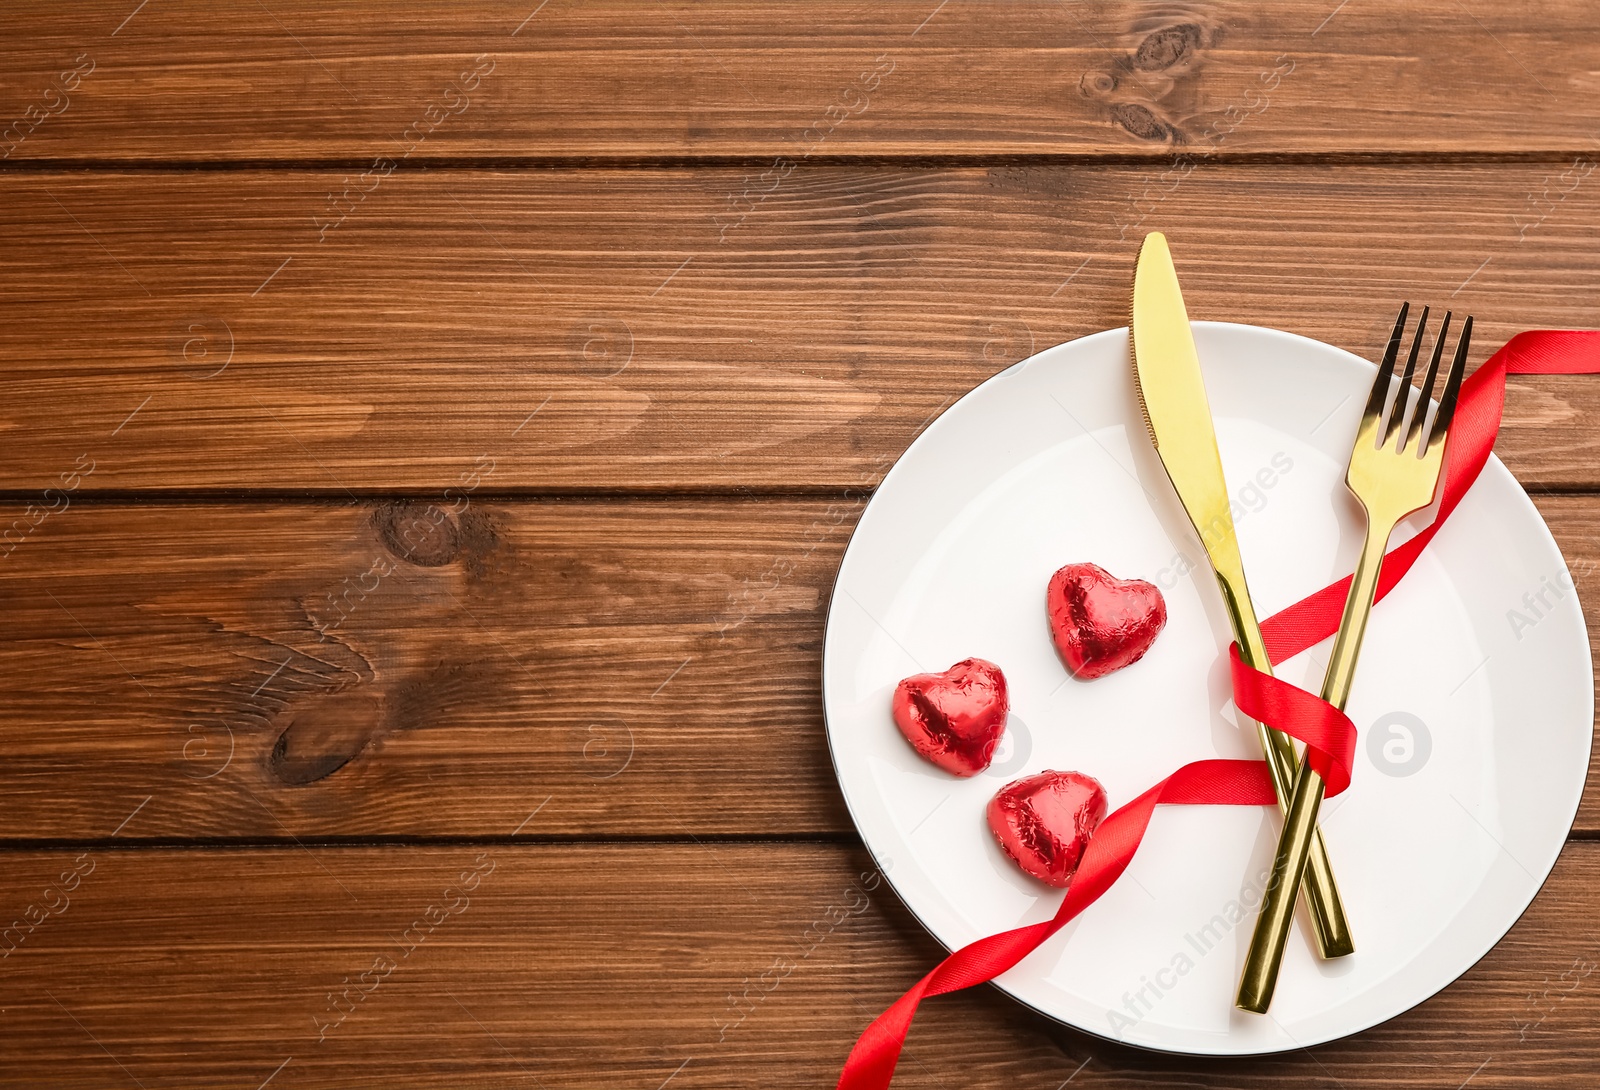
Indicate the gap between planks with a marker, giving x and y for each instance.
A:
(907, 160)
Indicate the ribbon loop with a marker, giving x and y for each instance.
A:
(1326, 731)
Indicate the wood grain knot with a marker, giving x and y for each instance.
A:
(325, 734)
(1098, 84)
(424, 534)
(1142, 122)
(1167, 47)
(1152, 89)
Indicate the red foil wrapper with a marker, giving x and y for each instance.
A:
(954, 719)
(1044, 822)
(1101, 623)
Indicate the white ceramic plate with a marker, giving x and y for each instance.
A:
(1474, 695)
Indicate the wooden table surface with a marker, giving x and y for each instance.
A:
(429, 437)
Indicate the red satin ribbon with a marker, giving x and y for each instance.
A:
(1327, 732)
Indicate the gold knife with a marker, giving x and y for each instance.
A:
(1172, 395)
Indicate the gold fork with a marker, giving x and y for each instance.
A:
(1390, 483)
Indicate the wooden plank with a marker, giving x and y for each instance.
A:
(619, 965)
(294, 79)
(263, 671)
(588, 329)
(276, 670)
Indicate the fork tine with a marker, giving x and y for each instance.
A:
(1452, 387)
(1397, 414)
(1415, 427)
(1380, 385)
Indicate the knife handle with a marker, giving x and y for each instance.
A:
(1328, 920)
(1295, 846)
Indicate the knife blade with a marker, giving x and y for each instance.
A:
(1172, 397)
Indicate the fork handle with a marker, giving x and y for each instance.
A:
(1328, 923)
(1265, 956)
